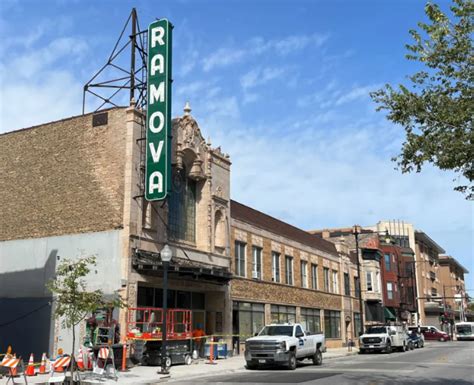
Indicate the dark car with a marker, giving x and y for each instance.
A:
(431, 333)
(416, 339)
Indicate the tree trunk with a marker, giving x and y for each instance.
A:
(73, 360)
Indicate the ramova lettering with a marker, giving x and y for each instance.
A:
(156, 153)
(158, 110)
(155, 182)
(157, 116)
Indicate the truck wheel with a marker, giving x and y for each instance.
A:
(318, 358)
(362, 351)
(251, 366)
(292, 360)
(388, 348)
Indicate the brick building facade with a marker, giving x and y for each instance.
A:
(74, 188)
(284, 274)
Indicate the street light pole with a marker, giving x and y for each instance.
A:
(356, 230)
(165, 258)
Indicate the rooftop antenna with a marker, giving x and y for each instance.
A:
(113, 77)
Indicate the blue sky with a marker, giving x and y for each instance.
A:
(282, 86)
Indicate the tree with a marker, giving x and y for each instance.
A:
(436, 109)
(72, 300)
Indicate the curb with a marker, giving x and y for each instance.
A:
(342, 355)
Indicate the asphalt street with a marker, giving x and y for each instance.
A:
(438, 363)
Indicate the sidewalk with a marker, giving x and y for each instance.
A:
(148, 374)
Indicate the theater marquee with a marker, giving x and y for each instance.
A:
(158, 119)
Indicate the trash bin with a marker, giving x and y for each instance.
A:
(222, 350)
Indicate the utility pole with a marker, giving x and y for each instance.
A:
(356, 230)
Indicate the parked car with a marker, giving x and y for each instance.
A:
(283, 344)
(432, 333)
(383, 339)
(417, 340)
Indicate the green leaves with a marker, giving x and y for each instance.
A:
(73, 301)
(437, 106)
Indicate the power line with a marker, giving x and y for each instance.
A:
(27, 314)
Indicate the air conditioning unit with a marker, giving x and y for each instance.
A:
(255, 275)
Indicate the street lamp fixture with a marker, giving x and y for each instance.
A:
(356, 230)
(166, 256)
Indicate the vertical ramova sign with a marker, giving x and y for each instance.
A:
(158, 119)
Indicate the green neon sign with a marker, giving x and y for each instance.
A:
(158, 115)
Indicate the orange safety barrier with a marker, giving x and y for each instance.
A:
(80, 360)
(61, 364)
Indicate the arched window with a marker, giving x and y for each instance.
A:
(182, 206)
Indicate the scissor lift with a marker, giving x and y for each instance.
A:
(145, 329)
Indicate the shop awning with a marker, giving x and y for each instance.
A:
(389, 313)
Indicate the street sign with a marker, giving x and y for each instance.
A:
(158, 119)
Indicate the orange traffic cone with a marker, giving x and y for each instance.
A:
(30, 370)
(80, 361)
(90, 360)
(42, 368)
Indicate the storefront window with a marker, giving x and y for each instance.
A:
(311, 320)
(282, 314)
(332, 324)
(251, 318)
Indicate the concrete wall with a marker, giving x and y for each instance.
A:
(25, 268)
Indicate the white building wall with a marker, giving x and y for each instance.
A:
(26, 266)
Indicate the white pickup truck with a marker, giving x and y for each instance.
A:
(384, 339)
(283, 344)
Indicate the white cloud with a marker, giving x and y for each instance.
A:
(226, 56)
(333, 95)
(298, 42)
(356, 93)
(223, 57)
(189, 62)
(35, 90)
(259, 76)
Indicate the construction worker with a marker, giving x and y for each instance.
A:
(198, 339)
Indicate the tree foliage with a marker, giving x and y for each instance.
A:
(436, 109)
(73, 302)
